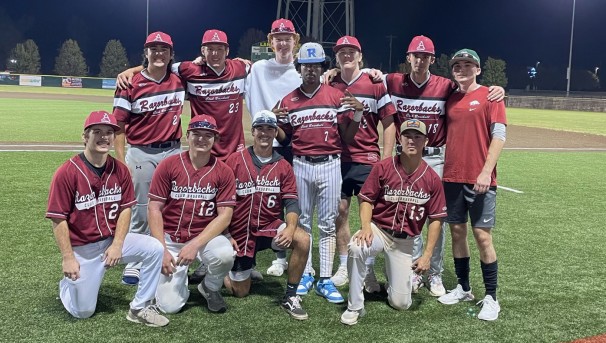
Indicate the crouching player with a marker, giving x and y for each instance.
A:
(397, 198)
(89, 203)
(265, 185)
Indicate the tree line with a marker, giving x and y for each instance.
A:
(24, 58)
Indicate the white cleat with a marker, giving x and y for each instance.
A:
(490, 309)
(455, 296)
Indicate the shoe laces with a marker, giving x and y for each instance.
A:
(491, 303)
(295, 301)
(329, 286)
(150, 311)
(435, 279)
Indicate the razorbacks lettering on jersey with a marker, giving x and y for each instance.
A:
(377, 106)
(470, 120)
(426, 103)
(402, 202)
(314, 120)
(151, 110)
(219, 96)
(191, 196)
(259, 197)
(90, 204)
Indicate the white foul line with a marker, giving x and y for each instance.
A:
(510, 189)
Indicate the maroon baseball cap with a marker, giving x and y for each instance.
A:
(282, 26)
(347, 41)
(101, 118)
(203, 122)
(421, 44)
(158, 38)
(214, 37)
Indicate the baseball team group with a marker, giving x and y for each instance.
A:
(161, 210)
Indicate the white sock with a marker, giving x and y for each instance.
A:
(343, 260)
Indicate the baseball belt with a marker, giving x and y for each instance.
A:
(318, 158)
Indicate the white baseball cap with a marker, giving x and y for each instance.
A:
(311, 53)
(265, 117)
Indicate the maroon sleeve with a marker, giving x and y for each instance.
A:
(385, 105)
(61, 194)
(372, 186)
(122, 114)
(437, 202)
(128, 190)
(160, 184)
(227, 187)
(289, 191)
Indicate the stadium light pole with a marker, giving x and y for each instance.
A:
(147, 21)
(569, 70)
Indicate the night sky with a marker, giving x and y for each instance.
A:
(521, 32)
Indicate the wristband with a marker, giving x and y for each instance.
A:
(358, 116)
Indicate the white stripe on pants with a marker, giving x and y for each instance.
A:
(398, 267)
(319, 185)
(173, 292)
(80, 297)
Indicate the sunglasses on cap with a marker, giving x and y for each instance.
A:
(202, 125)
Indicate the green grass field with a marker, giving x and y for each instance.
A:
(548, 241)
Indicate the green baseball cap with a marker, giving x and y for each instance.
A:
(465, 55)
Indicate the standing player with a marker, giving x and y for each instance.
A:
(267, 83)
(476, 136)
(215, 88)
(192, 196)
(359, 156)
(265, 186)
(397, 198)
(89, 203)
(149, 116)
(315, 116)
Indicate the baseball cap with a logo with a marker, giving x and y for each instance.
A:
(421, 44)
(347, 42)
(158, 38)
(311, 53)
(465, 55)
(414, 124)
(214, 37)
(101, 118)
(282, 26)
(203, 122)
(265, 117)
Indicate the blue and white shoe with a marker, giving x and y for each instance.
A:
(130, 277)
(328, 290)
(306, 284)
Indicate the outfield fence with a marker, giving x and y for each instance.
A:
(56, 81)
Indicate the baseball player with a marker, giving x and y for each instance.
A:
(149, 116)
(215, 88)
(476, 136)
(358, 157)
(422, 95)
(267, 83)
(397, 198)
(89, 203)
(191, 201)
(265, 185)
(314, 114)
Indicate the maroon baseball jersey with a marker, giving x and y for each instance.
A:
(314, 121)
(470, 117)
(219, 96)
(259, 197)
(151, 110)
(426, 103)
(377, 106)
(191, 196)
(90, 204)
(402, 202)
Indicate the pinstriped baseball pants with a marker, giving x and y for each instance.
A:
(319, 186)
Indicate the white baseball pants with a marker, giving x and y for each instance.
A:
(80, 297)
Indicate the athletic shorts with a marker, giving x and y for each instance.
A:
(354, 175)
(243, 265)
(462, 201)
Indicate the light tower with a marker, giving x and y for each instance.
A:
(324, 20)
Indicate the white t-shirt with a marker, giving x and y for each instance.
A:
(267, 83)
